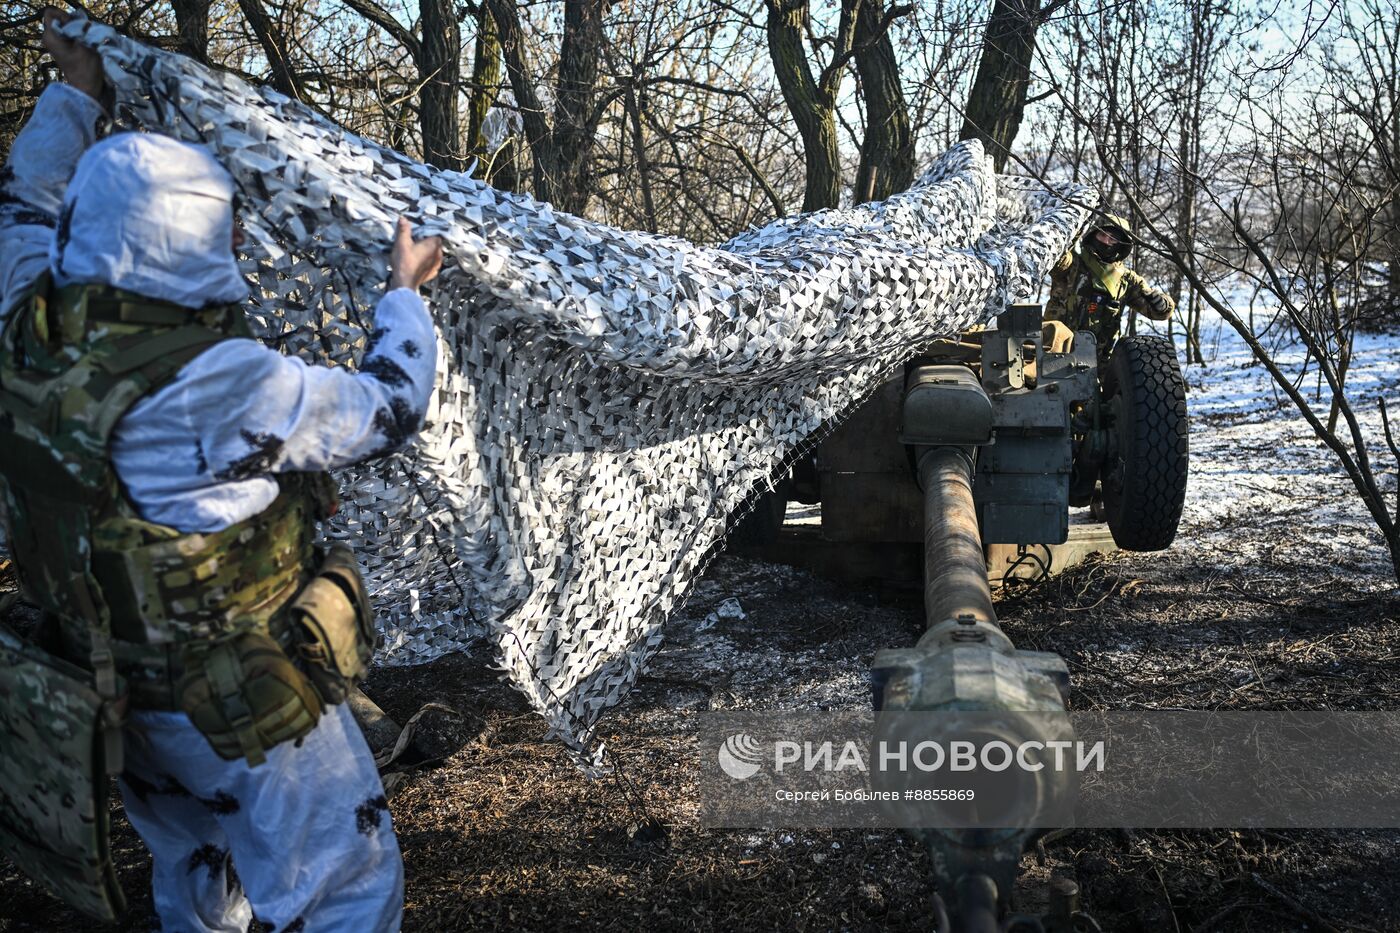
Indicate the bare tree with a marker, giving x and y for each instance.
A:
(437, 54)
(1204, 23)
(697, 141)
(1295, 212)
(497, 160)
(274, 46)
(997, 101)
(192, 21)
(561, 149)
(887, 152)
(811, 98)
(1364, 66)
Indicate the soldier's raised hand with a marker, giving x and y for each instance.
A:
(81, 66)
(413, 263)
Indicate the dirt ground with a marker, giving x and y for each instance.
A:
(504, 833)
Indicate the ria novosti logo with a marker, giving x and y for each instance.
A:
(740, 756)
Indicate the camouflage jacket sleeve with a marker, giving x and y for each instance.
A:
(41, 161)
(255, 410)
(1060, 285)
(1146, 299)
(199, 454)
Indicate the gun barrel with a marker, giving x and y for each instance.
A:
(955, 568)
(964, 670)
(977, 897)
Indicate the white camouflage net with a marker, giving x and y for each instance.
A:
(605, 399)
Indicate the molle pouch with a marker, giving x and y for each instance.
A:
(337, 627)
(54, 766)
(245, 696)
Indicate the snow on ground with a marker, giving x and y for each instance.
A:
(1263, 487)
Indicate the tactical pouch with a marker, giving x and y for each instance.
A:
(333, 613)
(245, 696)
(54, 764)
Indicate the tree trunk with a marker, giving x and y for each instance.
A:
(575, 122)
(997, 100)
(192, 22)
(1191, 164)
(485, 87)
(1391, 244)
(1342, 328)
(537, 134)
(440, 71)
(633, 103)
(812, 109)
(274, 46)
(1186, 201)
(1392, 541)
(1194, 353)
(887, 153)
(561, 156)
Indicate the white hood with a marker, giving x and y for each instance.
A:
(150, 215)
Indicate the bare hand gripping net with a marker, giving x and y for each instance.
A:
(605, 399)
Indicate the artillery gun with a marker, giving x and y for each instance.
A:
(971, 460)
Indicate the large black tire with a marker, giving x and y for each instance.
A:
(1144, 481)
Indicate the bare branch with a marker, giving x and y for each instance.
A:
(382, 18)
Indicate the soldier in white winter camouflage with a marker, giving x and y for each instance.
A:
(163, 475)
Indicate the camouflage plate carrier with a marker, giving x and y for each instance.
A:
(130, 607)
(1096, 302)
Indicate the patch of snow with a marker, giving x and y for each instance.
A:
(1263, 485)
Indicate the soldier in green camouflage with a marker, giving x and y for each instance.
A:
(163, 474)
(1090, 286)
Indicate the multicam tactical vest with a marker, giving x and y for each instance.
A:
(131, 601)
(1095, 302)
(73, 361)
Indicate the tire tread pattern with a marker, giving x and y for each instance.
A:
(1143, 515)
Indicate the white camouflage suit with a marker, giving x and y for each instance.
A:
(308, 832)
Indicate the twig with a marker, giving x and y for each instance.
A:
(1304, 911)
(1395, 452)
(1212, 922)
(1168, 895)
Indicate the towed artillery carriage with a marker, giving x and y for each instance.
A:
(962, 470)
(1048, 432)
